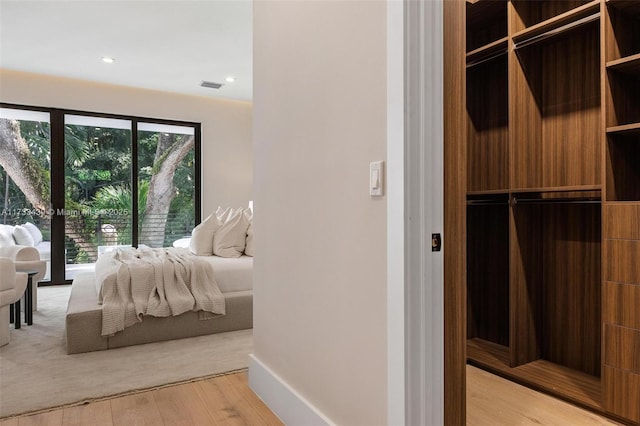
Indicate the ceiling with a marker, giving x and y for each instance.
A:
(162, 45)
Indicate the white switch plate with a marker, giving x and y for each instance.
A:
(376, 178)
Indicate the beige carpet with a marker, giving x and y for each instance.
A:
(36, 373)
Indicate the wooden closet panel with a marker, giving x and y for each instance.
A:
(488, 273)
(525, 118)
(622, 348)
(622, 101)
(526, 292)
(455, 224)
(622, 261)
(623, 168)
(622, 37)
(488, 130)
(621, 304)
(486, 22)
(622, 221)
(571, 295)
(621, 392)
(571, 114)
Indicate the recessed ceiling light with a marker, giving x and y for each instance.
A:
(108, 60)
(230, 79)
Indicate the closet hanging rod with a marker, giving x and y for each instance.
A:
(556, 31)
(487, 59)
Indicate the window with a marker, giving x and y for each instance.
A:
(74, 175)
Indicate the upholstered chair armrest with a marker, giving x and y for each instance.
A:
(7, 297)
(7, 273)
(32, 265)
(21, 284)
(20, 252)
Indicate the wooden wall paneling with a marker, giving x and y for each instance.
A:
(455, 160)
(488, 273)
(622, 221)
(488, 132)
(525, 296)
(620, 304)
(571, 113)
(621, 393)
(525, 130)
(571, 295)
(623, 265)
(622, 345)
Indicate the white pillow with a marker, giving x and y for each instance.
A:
(248, 250)
(230, 239)
(223, 215)
(35, 233)
(6, 236)
(201, 242)
(22, 236)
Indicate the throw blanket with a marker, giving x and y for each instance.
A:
(158, 282)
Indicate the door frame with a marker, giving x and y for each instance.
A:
(427, 194)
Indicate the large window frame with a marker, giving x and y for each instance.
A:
(57, 184)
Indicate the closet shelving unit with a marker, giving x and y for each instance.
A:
(553, 197)
(621, 212)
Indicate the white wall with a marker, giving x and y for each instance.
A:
(320, 306)
(226, 125)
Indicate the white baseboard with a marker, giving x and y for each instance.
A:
(281, 398)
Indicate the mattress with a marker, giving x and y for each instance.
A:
(232, 274)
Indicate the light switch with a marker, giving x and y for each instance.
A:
(376, 178)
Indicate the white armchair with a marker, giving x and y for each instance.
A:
(12, 286)
(26, 258)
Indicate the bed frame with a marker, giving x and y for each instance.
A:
(84, 321)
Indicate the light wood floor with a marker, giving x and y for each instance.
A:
(493, 401)
(223, 400)
(227, 400)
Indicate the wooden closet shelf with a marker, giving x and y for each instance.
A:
(627, 65)
(558, 24)
(562, 382)
(488, 192)
(488, 52)
(626, 129)
(632, 7)
(623, 203)
(487, 353)
(581, 188)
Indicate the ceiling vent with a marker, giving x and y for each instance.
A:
(211, 85)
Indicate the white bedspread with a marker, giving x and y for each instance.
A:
(158, 282)
(232, 273)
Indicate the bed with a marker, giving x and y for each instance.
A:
(84, 319)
